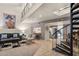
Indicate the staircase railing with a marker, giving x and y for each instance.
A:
(73, 27)
(61, 29)
(61, 41)
(69, 45)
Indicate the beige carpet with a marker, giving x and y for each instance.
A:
(39, 48)
(24, 50)
(46, 49)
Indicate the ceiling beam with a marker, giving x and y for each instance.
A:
(32, 11)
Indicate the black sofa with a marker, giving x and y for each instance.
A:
(9, 38)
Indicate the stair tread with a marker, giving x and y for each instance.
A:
(66, 45)
(63, 49)
(65, 42)
(75, 18)
(75, 23)
(72, 4)
(60, 51)
(75, 7)
(75, 12)
(75, 28)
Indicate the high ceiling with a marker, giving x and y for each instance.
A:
(11, 7)
(48, 11)
(10, 4)
(38, 11)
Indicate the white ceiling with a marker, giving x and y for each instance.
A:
(11, 7)
(11, 4)
(39, 12)
(43, 12)
(46, 12)
(47, 9)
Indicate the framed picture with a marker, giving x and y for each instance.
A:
(9, 21)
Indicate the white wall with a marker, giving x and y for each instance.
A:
(9, 31)
(9, 10)
(60, 23)
(46, 33)
(28, 31)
